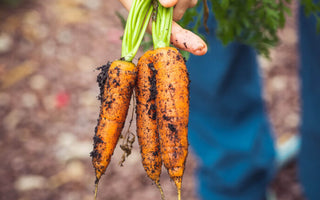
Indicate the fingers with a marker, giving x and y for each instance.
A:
(188, 41)
(168, 3)
(193, 3)
(180, 38)
(181, 8)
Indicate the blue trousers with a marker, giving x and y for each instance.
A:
(229, 130)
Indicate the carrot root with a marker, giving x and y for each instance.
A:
(172, 111)
(116, 83)
(95, 190)
(161, 190)
(148, 136)
(178, 182)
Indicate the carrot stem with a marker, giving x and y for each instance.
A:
(161, 27)
(136, 26)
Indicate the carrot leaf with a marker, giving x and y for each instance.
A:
(161, 25)
(135, 28)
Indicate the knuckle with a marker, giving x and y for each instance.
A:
(193, 3)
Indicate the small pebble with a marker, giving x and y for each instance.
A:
(11, 121)
(68, 147)
(290, 37)
(65, 36)
(29, 100)
(265, 64)
(292, 120)
(278, 83)
(6, 42)
(92, 4)
(30, 182)
(38, 82)
(75, 170)
(31, 26)
(49, 48)
(88, 99)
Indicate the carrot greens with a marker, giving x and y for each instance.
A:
(161, 25)
(136, 26)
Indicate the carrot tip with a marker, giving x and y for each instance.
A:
(179, 194)
(96, 190)
(177, 181)
(161, 190)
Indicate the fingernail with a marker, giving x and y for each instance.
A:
(168, 3)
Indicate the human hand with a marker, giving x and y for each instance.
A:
(180, 37)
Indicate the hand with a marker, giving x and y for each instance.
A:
(180, 7)
(180, 38)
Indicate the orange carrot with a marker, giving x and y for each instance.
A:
(117, 81)
(147, 132)
(116, 85)
(172, 101)
(172, 107)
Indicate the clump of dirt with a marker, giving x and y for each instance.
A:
(102, 78)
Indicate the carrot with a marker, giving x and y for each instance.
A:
(147, 132)
(115, 100)
(172, 111)
(116, 82)
(172, 100)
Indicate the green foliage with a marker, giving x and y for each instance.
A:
(312, 8)
(122, 20)
(147, 42)
(136, 25)
(161, 26)
(251, 22)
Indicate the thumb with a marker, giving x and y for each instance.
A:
(168, 3)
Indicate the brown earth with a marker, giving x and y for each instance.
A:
(48, 104)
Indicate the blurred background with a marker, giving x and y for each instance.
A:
(49, 51)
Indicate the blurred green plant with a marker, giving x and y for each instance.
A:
(251, 22)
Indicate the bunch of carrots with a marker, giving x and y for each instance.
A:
(161, 85)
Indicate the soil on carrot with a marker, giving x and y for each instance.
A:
(102, 77)
(152, 81)
(49, 51)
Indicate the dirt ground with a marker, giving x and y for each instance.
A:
(48, 104)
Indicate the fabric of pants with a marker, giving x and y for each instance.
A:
(309, 157)
(229, 131)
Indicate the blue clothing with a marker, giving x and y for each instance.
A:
(229, 129)
(309, 158)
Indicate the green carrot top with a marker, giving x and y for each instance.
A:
(161, 25)
(136, 26)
